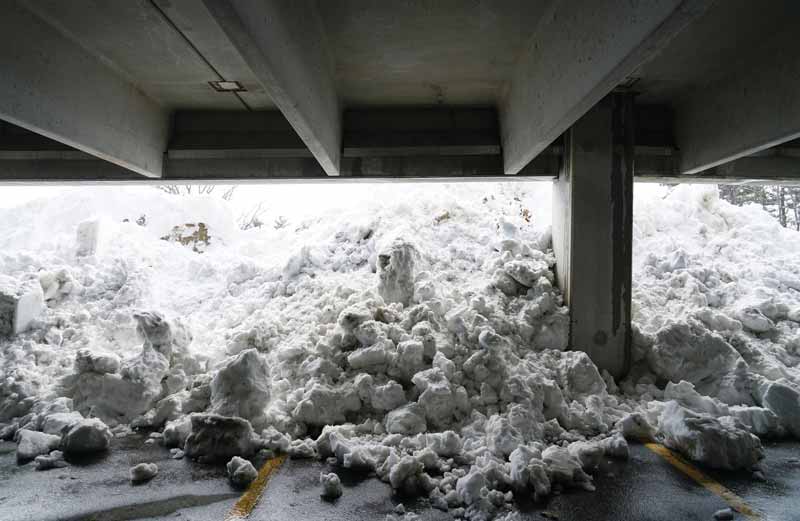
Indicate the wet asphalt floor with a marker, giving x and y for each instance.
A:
(645, 488)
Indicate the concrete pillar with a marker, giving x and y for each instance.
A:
(592, 232)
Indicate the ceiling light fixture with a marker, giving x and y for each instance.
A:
(227, 86)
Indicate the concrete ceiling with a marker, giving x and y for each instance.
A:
(144, 43)
(731, 36)
(413, 52)
(113, 78)
(426, 52)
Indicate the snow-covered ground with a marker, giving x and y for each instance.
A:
(413, 331)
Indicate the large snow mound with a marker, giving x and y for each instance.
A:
(420, 336)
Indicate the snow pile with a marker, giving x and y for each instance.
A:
(421, 340)
(717, 303)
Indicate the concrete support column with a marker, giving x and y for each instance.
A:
(592, 232)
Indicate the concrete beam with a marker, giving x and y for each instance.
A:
(754, 108)
(284, 44)
(592, 233)
(759, 169)
(52, 86)
(260, 165)
(580, 52)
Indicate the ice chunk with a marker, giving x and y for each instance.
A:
(241, 472)
(31, 444)
(20, 304)
(407, 420)
(331, 485)
(214, 437)
(241, 388)
(703, 438)
(396, 270)
(54, 460)
(143, 472)
(87, 435)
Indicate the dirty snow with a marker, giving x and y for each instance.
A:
(417, 335)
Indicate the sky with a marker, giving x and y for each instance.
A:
(296, 201)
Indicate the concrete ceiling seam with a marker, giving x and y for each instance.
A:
(197, 51)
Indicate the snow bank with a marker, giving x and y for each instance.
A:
(419, 338)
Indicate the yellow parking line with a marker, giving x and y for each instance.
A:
(249, 499)
(693, 472)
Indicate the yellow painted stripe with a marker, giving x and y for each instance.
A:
(249, 499)
(696, 474)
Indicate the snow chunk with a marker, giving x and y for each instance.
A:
(331, 485)
(214, 437)
(634, 426)
(387, 397)
(241, 388)
(87, 238)
(407, 420)
(59, 422)
(470, 486)
(566, 469)
(324, 405)
(169, 337)
(703, 438)
(20, 304)
(689, 351)
(241, 472)
(143, 472)
(56, 284)
(176, 431)
(785, 403)
(396, 270)
(87, 361)
(529, 471)
(753, 319)
(87, 435)
(725, 514)
(32, 444)
(54, 460)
